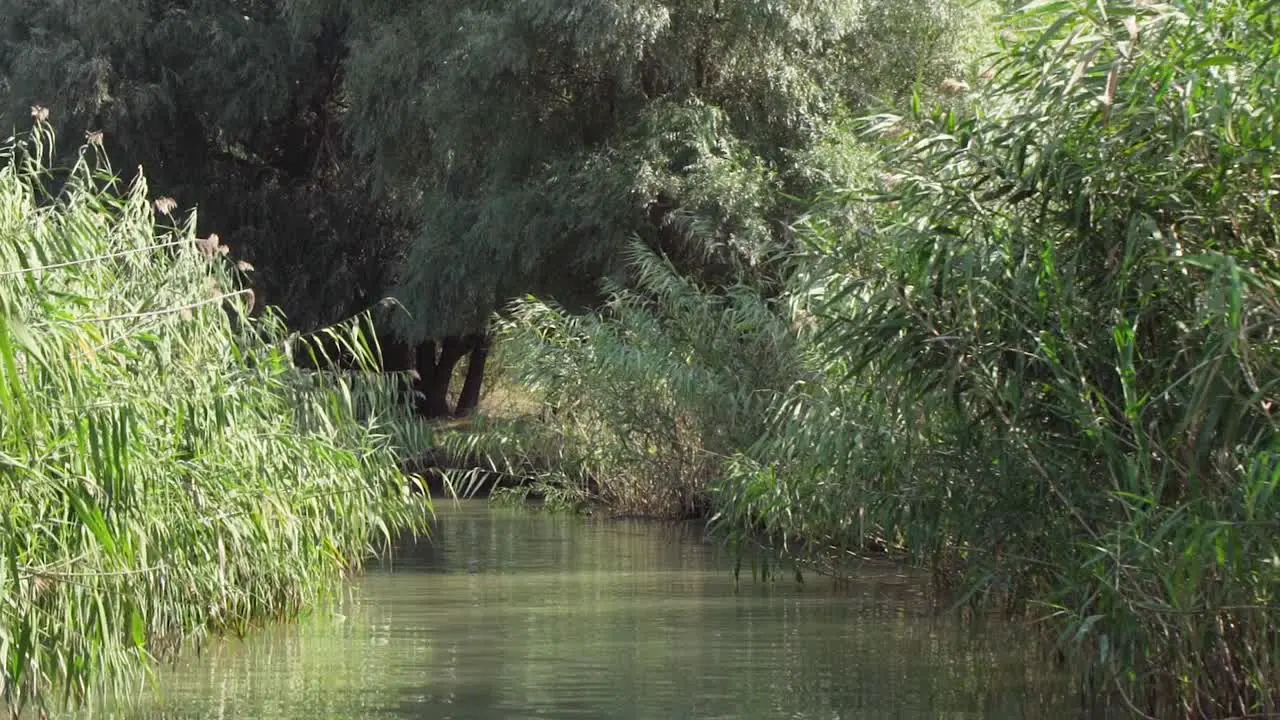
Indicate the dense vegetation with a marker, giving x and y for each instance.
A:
(458, 153)
(166, 470)
(1030, 342)
(837, 276)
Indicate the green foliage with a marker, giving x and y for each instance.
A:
(165, 470)
(1025, 335)
(646, 399)
(460, 154)
(1031, 345)
(232, 107)
(534, 140)
(1051, 350)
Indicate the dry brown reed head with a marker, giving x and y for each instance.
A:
(803, 322)
(890, 181)
(43, 585)
(209, 246)
(895, 132)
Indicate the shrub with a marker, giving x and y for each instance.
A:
(645, 400)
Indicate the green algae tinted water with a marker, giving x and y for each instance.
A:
(513, 614)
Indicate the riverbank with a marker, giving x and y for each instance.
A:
(1024, 334)
(166, 471)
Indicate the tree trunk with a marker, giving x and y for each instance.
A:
(469, 399)
(425, 366)
(436, 377)
(397, 357)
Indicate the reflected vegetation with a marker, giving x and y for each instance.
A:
(512, 614)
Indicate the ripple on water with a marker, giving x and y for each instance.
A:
(511, 614)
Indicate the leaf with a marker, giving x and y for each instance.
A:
(137, 627)
(91, 517)
(25, 340)
(1214, 61)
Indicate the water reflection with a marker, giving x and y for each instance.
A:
(509, 614)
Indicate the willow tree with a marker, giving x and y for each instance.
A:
(486, 151)
(529, 142)
(232, 107)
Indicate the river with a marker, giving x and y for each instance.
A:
(508, 613)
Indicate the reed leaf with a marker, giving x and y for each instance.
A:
(165, 470)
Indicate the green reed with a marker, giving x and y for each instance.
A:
(1034, 346)
(165, 468)
(1051, 351)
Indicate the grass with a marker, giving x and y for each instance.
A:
(165, 469)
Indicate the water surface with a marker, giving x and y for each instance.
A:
(508, 613)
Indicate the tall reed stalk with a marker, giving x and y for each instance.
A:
(165, 469)
(1051, 350)
(1040, 353)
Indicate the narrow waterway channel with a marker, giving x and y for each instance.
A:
(513, 614)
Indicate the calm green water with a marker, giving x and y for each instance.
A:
(512, 614)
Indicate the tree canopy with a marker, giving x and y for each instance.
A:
(230, 107)
(531, 141)
(460, 153)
